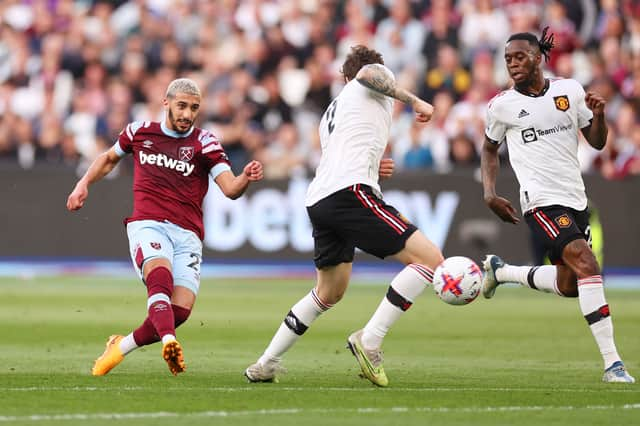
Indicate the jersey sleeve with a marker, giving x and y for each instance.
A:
(584, 113)
(124, 144)
(213, 155)
(495, 129)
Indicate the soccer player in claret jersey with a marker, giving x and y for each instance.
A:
(346, 209)
(172, 164)
(540, 118)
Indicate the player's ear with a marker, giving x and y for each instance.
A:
(165, 102)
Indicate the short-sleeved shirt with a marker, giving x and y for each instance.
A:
(542, 138)
(354, 132)
(171, 172)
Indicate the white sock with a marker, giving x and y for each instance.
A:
(168, 338)
(404, 289)
(128, 344)
(541, 278)
(595, 309)
(297, 321)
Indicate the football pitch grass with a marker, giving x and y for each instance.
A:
(521, 358)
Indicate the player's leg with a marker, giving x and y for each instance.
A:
(421, 257)
(182, 302)
(550, 230)
(379, 229)
(578, 256)
(331, 285)
(150, 250)
(333, 257)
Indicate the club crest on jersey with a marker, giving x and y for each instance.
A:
(562, 102)
(563, 221)
(185, 153)
(155, 245)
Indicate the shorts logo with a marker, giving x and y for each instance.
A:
(402, 218)
(156, 246)
(563, 221)
(529, 135)
(562, 102)
(185, 153)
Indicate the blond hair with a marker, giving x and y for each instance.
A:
(182, 85)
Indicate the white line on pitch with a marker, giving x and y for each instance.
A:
(272, 388)
(362, 410)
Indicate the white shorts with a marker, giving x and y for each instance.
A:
(150, 239)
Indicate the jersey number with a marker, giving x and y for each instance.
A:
(331, 113)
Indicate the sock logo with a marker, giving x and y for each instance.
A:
(163, 160)
(294, 324)
(160, 307)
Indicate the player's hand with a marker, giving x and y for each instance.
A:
(503, 209)
(77, 197)
(595, 102)
(424, 110)
(253, 171)
(387, 166)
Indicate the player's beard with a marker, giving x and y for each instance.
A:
(174, 123)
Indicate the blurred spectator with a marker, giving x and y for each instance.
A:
(447, 74)
(282, 157)
(399, 38)
(565, 37)
(74, 73)
(463, 152)
(442, 32)
(485, 27)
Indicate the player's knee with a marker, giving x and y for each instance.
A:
(159, 280)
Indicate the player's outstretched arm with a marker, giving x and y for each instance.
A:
(100, 167)
(234, 186)
(489, 163)
(596, 132)
(377, 77)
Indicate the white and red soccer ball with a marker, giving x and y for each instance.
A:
(457, 280)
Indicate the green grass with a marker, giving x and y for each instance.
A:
(522, 358)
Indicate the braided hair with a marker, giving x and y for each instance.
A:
(545, 44)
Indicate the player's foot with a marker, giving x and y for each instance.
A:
(172, 354)
(489, 281)
(111, 357)
(616, 373)
(267, 373)
(370, 360)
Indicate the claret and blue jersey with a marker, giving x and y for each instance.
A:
(171, 172)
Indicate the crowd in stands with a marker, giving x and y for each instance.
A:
(73, 73)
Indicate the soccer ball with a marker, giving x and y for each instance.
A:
(457, 280)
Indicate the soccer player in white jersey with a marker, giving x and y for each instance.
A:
(173, 161)
(540, 118)
(345, 205)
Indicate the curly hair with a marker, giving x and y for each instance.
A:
(358, 57)
(545, 43)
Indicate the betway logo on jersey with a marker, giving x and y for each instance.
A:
(531, 134)
(164, 161)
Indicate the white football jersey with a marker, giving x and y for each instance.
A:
(354, 131)
(542, 138)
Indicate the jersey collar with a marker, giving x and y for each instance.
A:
(167, 131)
(534, 95)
